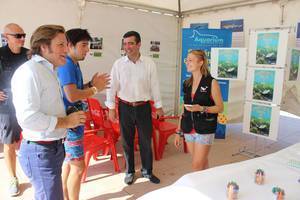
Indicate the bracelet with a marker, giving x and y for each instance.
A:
(94, 89)
(90, 84)
(179, 133)
(204, 109)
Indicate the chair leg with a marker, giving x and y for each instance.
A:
(162, 143)
(115, 158)
(185, 147)
(87, 158)
(155, 148)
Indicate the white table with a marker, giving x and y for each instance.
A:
(282, 169)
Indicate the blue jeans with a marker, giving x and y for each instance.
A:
(42, 164)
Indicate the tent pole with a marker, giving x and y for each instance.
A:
(178, 59)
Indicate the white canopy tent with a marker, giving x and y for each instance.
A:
(157, 20)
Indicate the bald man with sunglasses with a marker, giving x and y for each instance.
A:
(11, 57)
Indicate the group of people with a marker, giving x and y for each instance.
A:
(42, 93)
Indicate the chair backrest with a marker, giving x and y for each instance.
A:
(97, 112)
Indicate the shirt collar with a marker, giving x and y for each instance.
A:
(69, 60)
(44, 61)
(141, 59)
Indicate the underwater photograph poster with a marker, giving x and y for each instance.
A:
(264, 85)
(268, 48)
(261, 120)
(294, 64)
(228, 63)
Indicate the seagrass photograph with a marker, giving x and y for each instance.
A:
(267, 48)
(260, 119)
(263, 86)
(228, 63)
(294, 64)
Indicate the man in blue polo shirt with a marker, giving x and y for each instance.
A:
(74, 91)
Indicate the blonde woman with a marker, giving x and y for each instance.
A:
(202, 103)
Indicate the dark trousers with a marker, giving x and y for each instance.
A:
(42, 165)
(136, 117)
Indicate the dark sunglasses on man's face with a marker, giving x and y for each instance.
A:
(18, 35)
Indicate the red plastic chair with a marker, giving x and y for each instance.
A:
(100, 115)
(94, 143)
(165, 130)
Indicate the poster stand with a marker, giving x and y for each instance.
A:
(244, 150)
(249, 153)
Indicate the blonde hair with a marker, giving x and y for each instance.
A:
(43, 35)
(203, 69)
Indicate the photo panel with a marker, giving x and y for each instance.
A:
(264, 85)
(294, 64)
(268, 48)
(261, 120)
(228, 63)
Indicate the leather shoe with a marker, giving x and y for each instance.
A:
(129, 178)
(152, 178)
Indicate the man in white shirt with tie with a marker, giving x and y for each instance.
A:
(41, 114)
(134, 81)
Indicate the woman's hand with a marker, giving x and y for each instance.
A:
(177, 141)
(194, 108)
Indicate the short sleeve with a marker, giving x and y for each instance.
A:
(66, 74)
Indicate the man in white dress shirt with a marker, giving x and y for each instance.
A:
(40, 112)
(134, 82)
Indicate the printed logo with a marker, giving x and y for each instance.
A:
(206, 38)
(203, 89)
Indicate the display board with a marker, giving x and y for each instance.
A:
(294, 64)
(237, 28)
(261, 120)
(264, 85)
(2, 40)
(268, 48)
(228, 63)
(199, 25)
(205, 39)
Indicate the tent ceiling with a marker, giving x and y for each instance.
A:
(185, 4)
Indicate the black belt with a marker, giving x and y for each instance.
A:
(52, 142)
(133, 104)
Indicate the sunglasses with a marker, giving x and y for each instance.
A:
(18, 35)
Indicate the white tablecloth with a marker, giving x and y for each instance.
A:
(282, 169)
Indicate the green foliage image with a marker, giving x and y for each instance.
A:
(294, 65)
(263, 92)
(259, 126)
(227, 70)
(266, 56)
(228, 63)
(267, 46)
